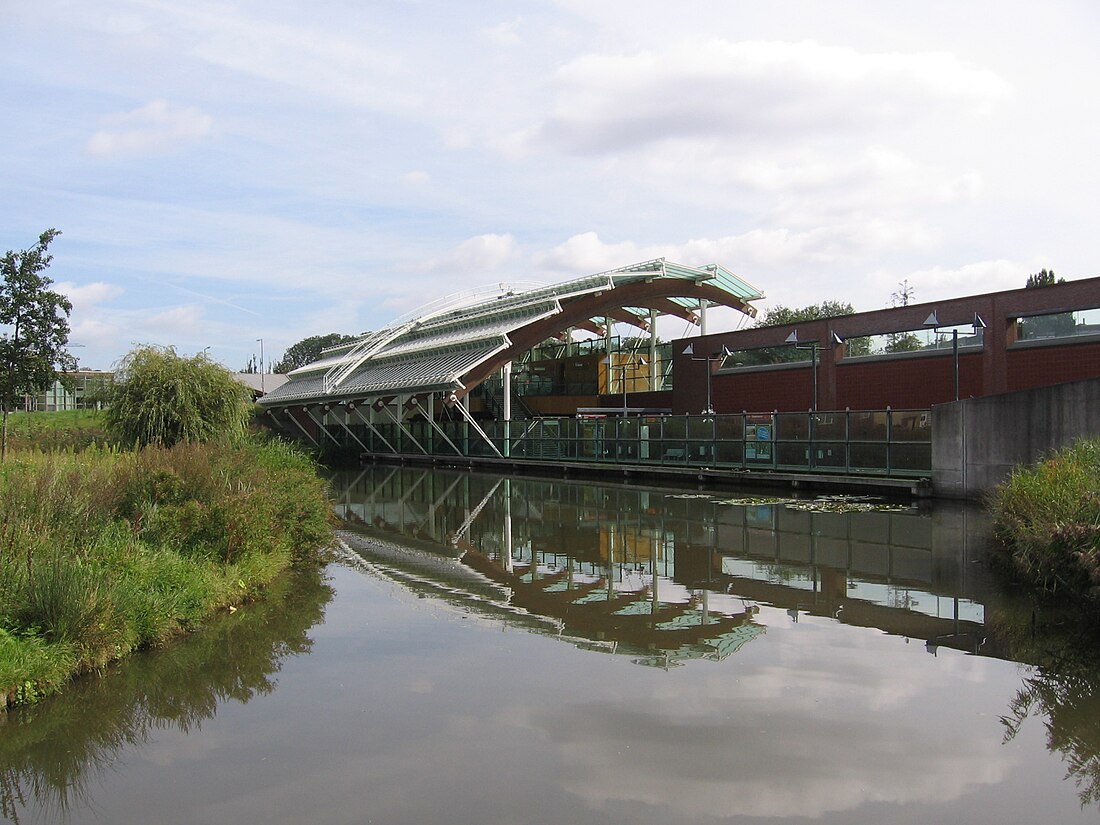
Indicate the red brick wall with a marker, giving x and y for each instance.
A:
(1042, 366)
(787, 390)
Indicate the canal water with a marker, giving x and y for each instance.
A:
(518, 650)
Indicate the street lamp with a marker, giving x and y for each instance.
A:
(976, 324)
(792, 339)
(261, 340)
(689, 350)
(630, 362)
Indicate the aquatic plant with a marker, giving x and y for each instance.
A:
(1047, 518)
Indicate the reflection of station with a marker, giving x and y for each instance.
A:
(660, 577)
(904, 573)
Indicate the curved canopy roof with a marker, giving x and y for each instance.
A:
(457, 342)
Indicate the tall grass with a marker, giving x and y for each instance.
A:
(62, 430)
(104, 551)
(1048, 518)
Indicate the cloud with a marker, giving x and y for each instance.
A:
(504, 34)
(970, 279)
(417, 177)
(181, 320)
(860, 238)
(155, 127)
(751, 90)
(478, 254)
(347, 66)
(86, 296)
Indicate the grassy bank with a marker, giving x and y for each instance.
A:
(103, 552)
(1047, 518)
(66, 430)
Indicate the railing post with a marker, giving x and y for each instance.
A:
(889, 440)
(848, 440)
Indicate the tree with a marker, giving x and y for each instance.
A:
(159, 397)
(1045, 326)
(902, 341)
(308, 350)
(904, 295)
(35, 328)
(781, 315)
(1042, 278)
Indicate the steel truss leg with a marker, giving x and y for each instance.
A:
(470, 420)
(298, 424)
(373, 429)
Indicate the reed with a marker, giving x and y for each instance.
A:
(105, 551)
(1047, 518)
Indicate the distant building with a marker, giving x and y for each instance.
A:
(261, 384)
(86, 391)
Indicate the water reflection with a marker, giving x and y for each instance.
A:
(663, 576)
(666, 577)
(1064, 692)
(51, 754)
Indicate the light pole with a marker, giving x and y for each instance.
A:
(689, 350)
(630, 362)
(933, 321)
(261, 340)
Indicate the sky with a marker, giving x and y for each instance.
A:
(226, 172)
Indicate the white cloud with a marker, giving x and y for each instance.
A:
(86, 296)
(481, 253)
(970, 279)
(155, 127)
(734, 91)
(181, 320)
(862, 238)
(504, 34)
(417, 177)
(347, 66)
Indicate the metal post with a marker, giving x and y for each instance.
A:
(261, 340)
(507, 375)
(710, 407)
(813, 358)
(955, 354)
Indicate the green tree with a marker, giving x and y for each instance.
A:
(1041, 278)
(902, 342)
(1045, 326)
(159, 397)
(781, 315)
(308, 350)
(35, 328)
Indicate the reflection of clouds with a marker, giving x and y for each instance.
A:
(763, 762)
(832, 719)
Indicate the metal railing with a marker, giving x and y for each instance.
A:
(888, 443)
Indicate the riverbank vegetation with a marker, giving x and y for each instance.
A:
(1047, 518)
(122, 529)
(63, 430)
(103, 551)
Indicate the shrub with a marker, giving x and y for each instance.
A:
(161, 398)
(1048, 518)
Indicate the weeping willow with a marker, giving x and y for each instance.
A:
(161, 398)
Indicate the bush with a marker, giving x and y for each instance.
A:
(1048, 518)
(160, 398)
(103, 552)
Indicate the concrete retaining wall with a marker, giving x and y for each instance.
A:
(978, 441)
